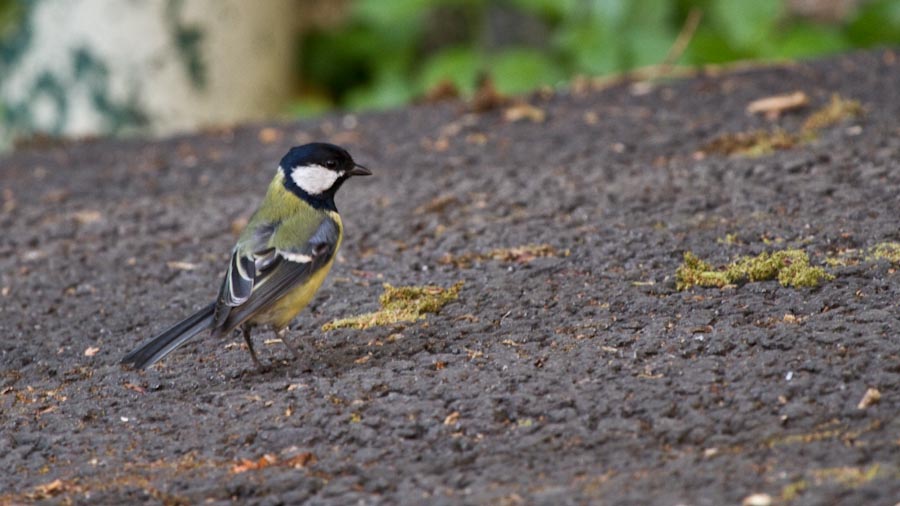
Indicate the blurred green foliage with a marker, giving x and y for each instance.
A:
(389, 52)
(10, 15)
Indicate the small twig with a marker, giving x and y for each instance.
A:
(684, 37)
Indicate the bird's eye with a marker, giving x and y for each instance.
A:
(331, 164)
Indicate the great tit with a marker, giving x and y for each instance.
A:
(280, 259)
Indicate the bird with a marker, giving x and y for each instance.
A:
(280, 259)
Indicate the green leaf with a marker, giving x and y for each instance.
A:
(11, 13)
(552, 9)
(309, 106)
(336, 59)
(459, 65)
(746, 24)
(609, 12)
(806, 40)
(340, 61)
(709, 46)
(521, 70)
(389, 14)
(648, 31)
(655, 15)
(647, 46)
(390, 89)
(878, 22)
(592, 47)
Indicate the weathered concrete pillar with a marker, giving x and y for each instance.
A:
(89, 67)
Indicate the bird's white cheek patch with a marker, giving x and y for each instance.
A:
(314, 179)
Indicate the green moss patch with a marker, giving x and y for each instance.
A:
(401, 304)
(888, 251)
(849, 477)
(790, 267)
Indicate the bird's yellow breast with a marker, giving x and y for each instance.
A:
(280, 313)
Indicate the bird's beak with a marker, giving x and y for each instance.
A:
(359, 170)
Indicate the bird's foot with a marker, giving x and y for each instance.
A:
(296, 351)
(245, 330)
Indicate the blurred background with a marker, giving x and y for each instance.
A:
(84, 68)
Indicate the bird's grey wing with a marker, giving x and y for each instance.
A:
(248, 258)
(277, 272)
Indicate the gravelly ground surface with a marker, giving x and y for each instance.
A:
(585, 378)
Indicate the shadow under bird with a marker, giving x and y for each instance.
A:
(280, 259)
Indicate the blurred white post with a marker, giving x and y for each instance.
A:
(93, 67)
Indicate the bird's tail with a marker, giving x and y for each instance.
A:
(171, 339)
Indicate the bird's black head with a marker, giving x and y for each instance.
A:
(316, 171)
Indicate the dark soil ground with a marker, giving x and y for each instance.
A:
(554, 379)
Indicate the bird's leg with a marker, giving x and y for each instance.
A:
(245, 329)
(282, 335)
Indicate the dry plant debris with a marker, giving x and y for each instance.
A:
(522, 111)
(297, 462)
(775, 105)
(870, 398)
(443, 90)
(762, 142)
(487, 97)
(837, 110)
(753, 143)
(517, 254)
